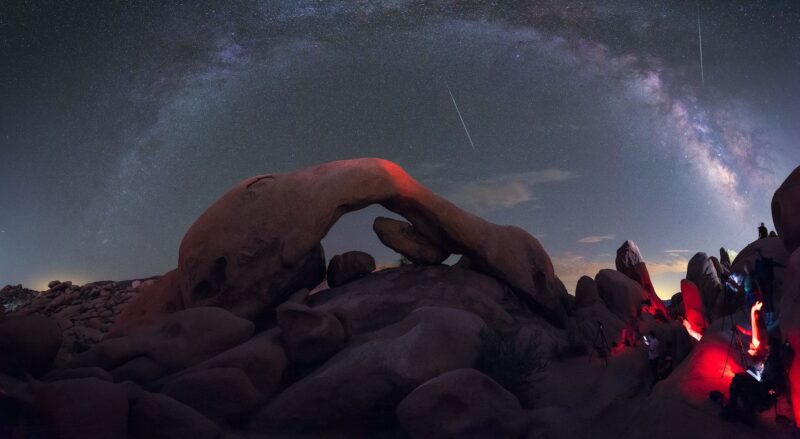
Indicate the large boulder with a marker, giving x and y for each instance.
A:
(694, 310)
(786, 211)
(592, 315)
(388, 296)
(348, 267)
(28, 344)
(309, 335)
(703, 274)
(261, 358)
(366, 380)
(622, 296)
(180, 340)
(155, 416)
(220, 393)
(163, 297)
(260, 241)
(83, 408)
(629, 261)
(461, 403)
(401, 237)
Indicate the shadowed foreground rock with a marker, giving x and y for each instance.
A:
(786, 211)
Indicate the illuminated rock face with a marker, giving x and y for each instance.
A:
(693, 307)
(259, 242)
(786, 211)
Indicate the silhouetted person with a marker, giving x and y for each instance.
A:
(762, 231)
(765, 276)
(772, 234)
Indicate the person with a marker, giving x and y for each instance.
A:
(765, 276)
(772, 234)
(653, 353)
(754, 393)
(762, 231)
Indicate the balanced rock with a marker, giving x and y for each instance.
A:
(348, 267)
(360, 381)
(401, 237)
(28, 344)
(309, 335)
(461, 403)
(261, 240)
(786, 211)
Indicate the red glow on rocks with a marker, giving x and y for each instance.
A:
(696, 335)
(755, 340)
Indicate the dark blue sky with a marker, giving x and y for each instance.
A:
(122, 122)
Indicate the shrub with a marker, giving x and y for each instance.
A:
(506, 361)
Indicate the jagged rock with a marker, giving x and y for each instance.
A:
(365, 380)
(155, 416)
(83, 408)
(629, 261)
(622, 296)
(786, 211)
(461, 403)
(181, 339)
(220, 393)
(401, 237)
(28, 344)
(260, 241)
(703, 274)
(348, 267)
(309, 335)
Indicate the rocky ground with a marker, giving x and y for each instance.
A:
(232, 344)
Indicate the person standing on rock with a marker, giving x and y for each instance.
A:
(653, 353)
(762, 231)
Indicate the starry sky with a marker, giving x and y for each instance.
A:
(591, 122)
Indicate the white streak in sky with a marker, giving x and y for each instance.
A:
(459, 116)
(700, 38)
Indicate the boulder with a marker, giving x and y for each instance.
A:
(461, 403)
(179, 340)
(261, 358)
(220, 393)
(786, 211)
(28, 344)
(790, 325)
(622, 296)
(590, 313)
(629, 261)
(365, 381)
(401, 237)
(348, 267)
(703, 274)
(260, 241)
(155, 416)
(83, 408)
(586, 294)
(163, 297)
(693, 308)
(309, 335)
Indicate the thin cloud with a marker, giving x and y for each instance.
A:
(677, 251)
(502, 191)
(594, 239)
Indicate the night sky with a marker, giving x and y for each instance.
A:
(592, 123)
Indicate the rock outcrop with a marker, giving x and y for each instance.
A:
(786, 211)
(702, 272)
(629, 261)
(260, 241)
(622, 296)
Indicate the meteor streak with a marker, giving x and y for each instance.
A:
(459, 116)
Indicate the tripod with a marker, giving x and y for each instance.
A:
(601, 336)
(735, 340)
